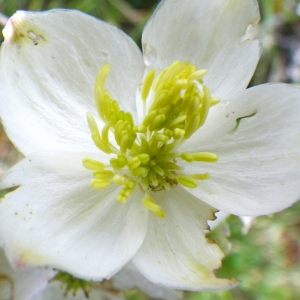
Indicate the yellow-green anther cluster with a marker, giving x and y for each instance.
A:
(146, 154)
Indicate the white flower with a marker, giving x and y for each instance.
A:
(38, 284)
(21, 284)
(178, 156)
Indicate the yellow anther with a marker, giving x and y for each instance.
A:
(181, 83)
(114, 163)
(144, 158)
(124, 142)
(134, 163)
(178, 133)
(121, 198)
(130, 184)
(170, 174)
(147, 84)
(203, 176)
(203, 112)
(149, 118)
(131, 140)
(168, 132)
(205, 156)
(162, 77)
(118, 130)
(162, 99)
(157, 122)
(104, 174)
(161, 137)
(197, 75)
(175, 122)
(100, 144)
(101, 96)
(121, 115)
(118, 179)
(193, 104)
(113, 118)
(104, 146)
(186, 156)
(92, 164)
(158, 170)
(140, 128)
(92, 123)
(129, 118)
(102, 75)
(187, 181)
(152, 206)
(189, 91)
(199, 156)
(103, 105)
(105, 131)
(192, 125)
(100, 184)
(214, 101)
(127, 192)
(122, 159)
(124, 194)
(172, 166)
(115, 107)
(153, 179)
(140, 171)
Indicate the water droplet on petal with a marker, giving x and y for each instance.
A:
(149, 54)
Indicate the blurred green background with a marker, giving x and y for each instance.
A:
(267, 258)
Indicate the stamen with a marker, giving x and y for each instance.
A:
(187, 181)
(92, 164)
(146, 154)
(152, 206)
(120, 180)
(100, 184)
(147, 84)
(203, 176)
(199, 156)
(197, 75)
(203, 111)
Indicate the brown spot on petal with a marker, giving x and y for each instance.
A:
(211, 241)
(20, 32)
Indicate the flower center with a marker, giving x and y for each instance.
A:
(146, 155)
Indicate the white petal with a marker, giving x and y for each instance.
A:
(207, 33)
(48, 66)
(21, 284)
(175, 252)
(258, 171)
(220, 218)
(129, 278)
(56, 218)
